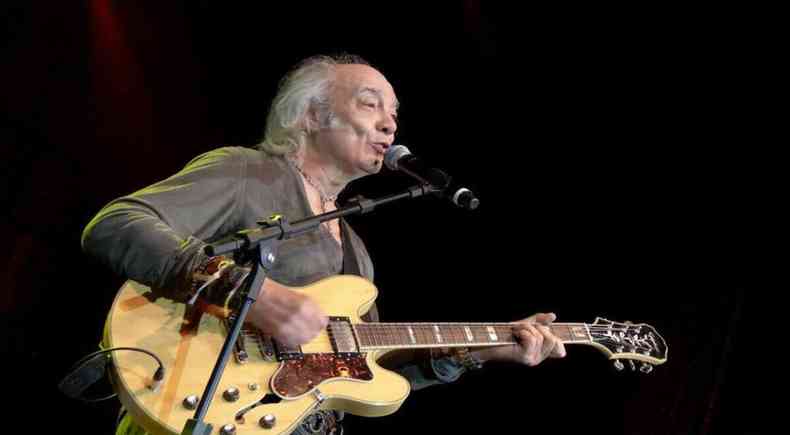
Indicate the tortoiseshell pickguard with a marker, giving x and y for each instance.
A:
(299, 376)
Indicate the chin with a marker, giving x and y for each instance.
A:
(372, 167)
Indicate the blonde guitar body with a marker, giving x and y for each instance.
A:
(269, 389)
(189, 341)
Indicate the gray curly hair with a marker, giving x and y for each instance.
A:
(307, 85)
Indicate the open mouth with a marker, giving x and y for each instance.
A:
(380, 147)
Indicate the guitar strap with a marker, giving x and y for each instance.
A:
(351, 266)
(350, 260)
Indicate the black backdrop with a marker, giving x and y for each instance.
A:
(613, 182)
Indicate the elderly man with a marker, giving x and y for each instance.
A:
(330, 123)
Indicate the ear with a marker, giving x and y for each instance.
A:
(311, 119)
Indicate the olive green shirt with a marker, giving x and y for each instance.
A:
(155, 236)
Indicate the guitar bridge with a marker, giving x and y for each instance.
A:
(251, 334)
(287, 353)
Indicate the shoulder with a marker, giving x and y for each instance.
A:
(226, 154)
(244, 159)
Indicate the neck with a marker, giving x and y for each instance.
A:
(373, 336)
(329, 180)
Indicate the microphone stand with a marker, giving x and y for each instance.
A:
(261, 243)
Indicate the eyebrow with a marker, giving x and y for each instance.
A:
(378, 94)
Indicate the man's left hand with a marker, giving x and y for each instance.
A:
(536, 342)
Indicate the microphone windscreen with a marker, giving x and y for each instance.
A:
(394, 154)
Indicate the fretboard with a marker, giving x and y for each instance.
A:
(425, 335)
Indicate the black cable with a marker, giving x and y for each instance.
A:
(89, 369)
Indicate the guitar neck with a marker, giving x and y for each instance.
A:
(374, 336)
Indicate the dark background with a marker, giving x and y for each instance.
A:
(617, 168)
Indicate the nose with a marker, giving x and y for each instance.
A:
(387, 124)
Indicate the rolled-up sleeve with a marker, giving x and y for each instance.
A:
(427, 371)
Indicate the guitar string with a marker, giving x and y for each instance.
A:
(431, 327)
(382, 324)
(396, 337)
(394, 331)
(372, 326)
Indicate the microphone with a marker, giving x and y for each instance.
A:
(399, 158)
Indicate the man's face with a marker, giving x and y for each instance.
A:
(364, 122)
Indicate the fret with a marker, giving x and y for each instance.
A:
(398, 335)
(439, 335)
(492, 335)
(571, 333)
(425, 336)
(483, 334)
(392, 337)
(362, 335)
(468, 333)
(367, 339)
(401, 335)
(375, 336)
(505, 334)
(563, 332)
(454, 334)
(475, 332)
(451, 331)
(460, 334)
(411, 335)
(385, 335)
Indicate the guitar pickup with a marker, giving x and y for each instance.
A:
(341, 334)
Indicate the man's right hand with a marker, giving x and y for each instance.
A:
(292, 318)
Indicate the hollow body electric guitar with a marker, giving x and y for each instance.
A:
(269, 388)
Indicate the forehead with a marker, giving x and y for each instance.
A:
(354, 80)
